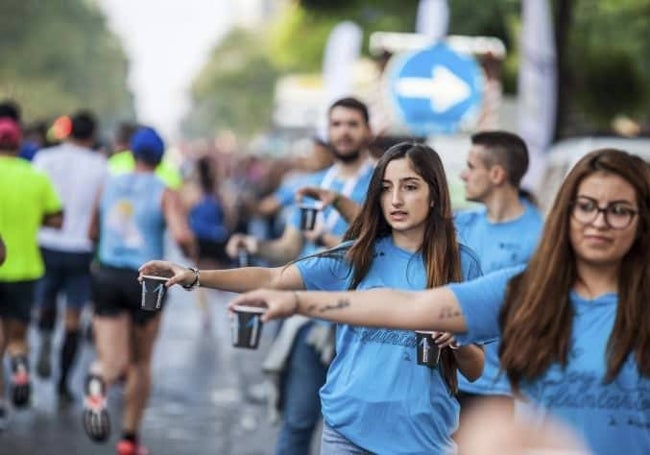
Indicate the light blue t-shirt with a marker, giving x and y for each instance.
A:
(358, 195)
(498, 245)
(132, 223)
(376, 395)
(612, 418)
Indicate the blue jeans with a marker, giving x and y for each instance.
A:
(333, 443)
(304, 376)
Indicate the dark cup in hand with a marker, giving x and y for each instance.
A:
(153, 291)
(246, 326)
(428, 352)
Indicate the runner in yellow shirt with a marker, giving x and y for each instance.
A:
(27, 202)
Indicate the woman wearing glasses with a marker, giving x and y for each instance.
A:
(574, 322)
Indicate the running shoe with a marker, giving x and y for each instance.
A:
(21, 388)
(127, 447)
(95, 418)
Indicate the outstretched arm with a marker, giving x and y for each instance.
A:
(233, 280)
(433, 309)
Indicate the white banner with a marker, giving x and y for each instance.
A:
(341, 52)
(432, 19)
(537, 85)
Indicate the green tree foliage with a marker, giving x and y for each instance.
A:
(59, 56)
(608, 56)
(299, 36)
(234, 90)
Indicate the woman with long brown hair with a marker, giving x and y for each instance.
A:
(574, 322)
(376, 397)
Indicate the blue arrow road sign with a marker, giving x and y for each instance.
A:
(435, 90)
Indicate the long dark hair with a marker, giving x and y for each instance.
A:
(537, 311)
(440, 250)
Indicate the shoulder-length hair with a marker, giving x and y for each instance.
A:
(439, 248)
(537, 317)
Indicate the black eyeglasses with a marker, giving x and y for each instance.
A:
(617, 215)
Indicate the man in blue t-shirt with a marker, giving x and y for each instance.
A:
(305, 364)
(503, 232)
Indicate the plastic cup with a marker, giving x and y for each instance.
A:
(308, 215)
(428, 353)
(246, 326)
(153, 291)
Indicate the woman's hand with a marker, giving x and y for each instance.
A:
(325, 196)
(445, 340)
(238, 241)
(278, 304)
(177, 274)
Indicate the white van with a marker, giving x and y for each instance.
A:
(564, 154)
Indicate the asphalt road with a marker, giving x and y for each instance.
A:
(199, 405)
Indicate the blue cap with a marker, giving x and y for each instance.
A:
(147, 145)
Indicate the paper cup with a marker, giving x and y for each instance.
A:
(246, 326)
(153, 291)
(308, 214)
(428, 353)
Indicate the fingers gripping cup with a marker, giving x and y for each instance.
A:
(153, 291)
(308, 214)
(246, 326)
(427, 350)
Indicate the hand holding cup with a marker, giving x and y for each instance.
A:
(428, 352)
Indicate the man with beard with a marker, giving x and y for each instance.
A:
(299, 357)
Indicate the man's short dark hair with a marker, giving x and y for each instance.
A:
(505, 149)
(84, 125)
(351, 103)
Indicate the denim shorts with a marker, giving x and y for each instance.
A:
(66, 274)
(334, 443)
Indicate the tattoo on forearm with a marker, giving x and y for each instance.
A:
(449, 313)
(342, 303)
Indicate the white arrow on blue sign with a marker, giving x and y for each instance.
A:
(435, 90)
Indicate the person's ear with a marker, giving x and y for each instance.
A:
(498, 174)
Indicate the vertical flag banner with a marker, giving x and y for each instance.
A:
(432, 19)
(341, 52)
(537, 84)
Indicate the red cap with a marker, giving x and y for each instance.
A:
(10, 134)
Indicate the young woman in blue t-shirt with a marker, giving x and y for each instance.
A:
(376, 397)
(574, 322)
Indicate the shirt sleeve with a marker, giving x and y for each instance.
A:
(480, 302)
(322, 273)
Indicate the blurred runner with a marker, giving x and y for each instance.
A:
(132, 214)
(78, 173)
(28, 201)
